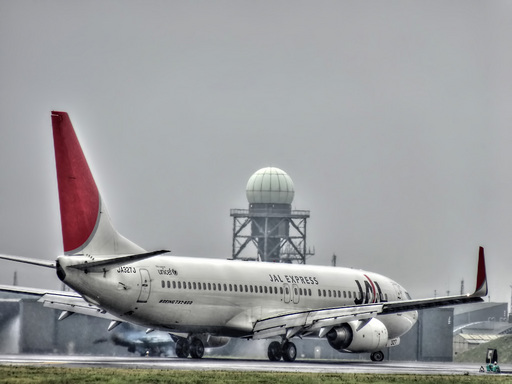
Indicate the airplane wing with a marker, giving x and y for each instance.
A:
(303, 323)
(68, 302)
(306, 322)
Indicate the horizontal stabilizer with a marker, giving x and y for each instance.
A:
(70, 302)
(73, 302)
(105, 265)
(29, 260)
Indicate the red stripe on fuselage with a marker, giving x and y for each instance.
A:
(373, 289)
(78, 195)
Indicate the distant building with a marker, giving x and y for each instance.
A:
(27, 327)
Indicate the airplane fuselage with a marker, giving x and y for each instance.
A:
(225, 297)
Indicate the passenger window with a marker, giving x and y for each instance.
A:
(168, 284)
(265, 289)
(309, 291)
(163, 284)
(174, 284)
(179, 284)
(349, 294)
(189, 285)
(195, 286)
(230, 288)
(214, 287)
(225, 287)
(199, 286)
(236, 288)
(319, 293)
(209, 286)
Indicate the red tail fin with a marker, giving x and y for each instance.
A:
(78, 195)
(86, 225)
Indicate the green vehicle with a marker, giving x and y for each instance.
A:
(491, 361)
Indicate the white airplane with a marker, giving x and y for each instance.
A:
(202, 302)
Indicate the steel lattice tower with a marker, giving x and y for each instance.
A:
(277, 232)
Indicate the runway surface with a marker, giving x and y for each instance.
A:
(220, 364)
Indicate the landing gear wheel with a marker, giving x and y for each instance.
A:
(196, 349)
(377, 356)
(289, 352)
(182, 348)
(274, 351)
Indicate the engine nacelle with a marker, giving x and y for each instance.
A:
(356, 336)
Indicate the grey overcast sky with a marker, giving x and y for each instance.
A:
(391, 117)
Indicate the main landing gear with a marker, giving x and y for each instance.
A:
(287, 351)
(194, 348)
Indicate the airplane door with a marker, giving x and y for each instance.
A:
(295, 294)
(145, 286)
(286, 292)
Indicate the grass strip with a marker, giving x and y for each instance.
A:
(61, 375)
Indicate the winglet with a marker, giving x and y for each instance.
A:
(481, 277)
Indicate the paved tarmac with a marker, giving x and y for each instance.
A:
(222, 364)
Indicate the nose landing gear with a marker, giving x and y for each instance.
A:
(377, 356)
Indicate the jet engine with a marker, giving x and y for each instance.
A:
(359, 336)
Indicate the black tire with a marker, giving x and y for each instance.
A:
(274, 351)
(377, 356)
(196, 349)
(182, 348)
(289, 352)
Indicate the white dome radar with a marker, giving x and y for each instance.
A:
(270, 186)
